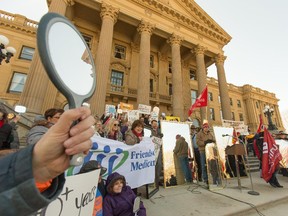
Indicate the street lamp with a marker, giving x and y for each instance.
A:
(5, 53)
(268, 112)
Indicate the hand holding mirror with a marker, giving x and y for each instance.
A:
(67, 61)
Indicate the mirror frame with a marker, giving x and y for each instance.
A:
(44, 27)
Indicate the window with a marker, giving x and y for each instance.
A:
(231, 101)
(151, 85)
(239, 103)
(170, 67)
(192, 74)
(170, 89)
(233, 116)
(212, 114)
(151, 61)
(257, 105)
(241, 117)
(116, 80)
(219, 99)
(193, 96)
(27, 53)
(18, 82)
(120, 52)
(210, 96)
(88, 40)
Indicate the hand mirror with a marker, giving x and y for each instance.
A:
(67, 61)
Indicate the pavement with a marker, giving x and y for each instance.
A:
(194, 199)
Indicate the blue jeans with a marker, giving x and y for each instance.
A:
(203, 166)
(184, 163)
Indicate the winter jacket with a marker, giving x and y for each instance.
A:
(18, 192)
(181, 147)
(15, 144)
(35, 134)
(5, 132)
(201, 139)
(120, 204)
(131, 138)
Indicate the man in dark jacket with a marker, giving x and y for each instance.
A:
(120, 198)
(181, 150)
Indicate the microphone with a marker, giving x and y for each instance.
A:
(223, 135)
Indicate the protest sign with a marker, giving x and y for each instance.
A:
(76, 198)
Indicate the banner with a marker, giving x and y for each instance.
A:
(172, 118)
(145, 109)
(135, 162)
(201, 101)
(76, 198)
(239, 126)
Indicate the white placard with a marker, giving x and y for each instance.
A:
(133, 115)
(76, 198)
(145, 109)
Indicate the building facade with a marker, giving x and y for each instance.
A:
(146, 52)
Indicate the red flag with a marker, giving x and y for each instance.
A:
(201, 101)
(271, 156)
(260, 128)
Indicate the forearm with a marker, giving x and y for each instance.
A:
(17, 185)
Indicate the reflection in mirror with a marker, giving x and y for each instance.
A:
(223, 136)
(67, 61)
(213, 166)
(173, 174)
(73, 67)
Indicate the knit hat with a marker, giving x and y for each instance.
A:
(205, 125)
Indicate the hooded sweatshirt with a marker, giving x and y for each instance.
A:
(120, 204)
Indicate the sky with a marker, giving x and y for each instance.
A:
(257, 53)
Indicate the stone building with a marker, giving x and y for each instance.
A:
(152, 52)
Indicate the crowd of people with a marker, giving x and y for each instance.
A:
(52, 140)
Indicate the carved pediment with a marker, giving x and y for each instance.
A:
(189, 14)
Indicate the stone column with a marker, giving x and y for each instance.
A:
(145, 29)
(201, 75)
(177, 92)
(37, 84)
(223, 89)
(109, 16)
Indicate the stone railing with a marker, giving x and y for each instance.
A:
(18, 21)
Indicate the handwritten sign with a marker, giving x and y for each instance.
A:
(110, 109)
(133, 115)
(145, 109)
(76, 198)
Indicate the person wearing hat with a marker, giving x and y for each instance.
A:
(101, 192)
(120, 197)
(203, 137)
(196, 151)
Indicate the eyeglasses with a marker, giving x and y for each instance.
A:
(116, 124)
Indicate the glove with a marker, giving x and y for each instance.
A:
(208, 141)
